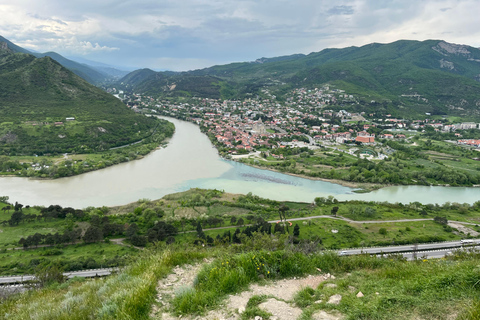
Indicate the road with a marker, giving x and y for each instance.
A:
(443, 246)
(82, 274)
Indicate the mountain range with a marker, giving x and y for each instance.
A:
(46, 108)
(405, 76)
(92, 73)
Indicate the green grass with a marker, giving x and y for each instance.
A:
(72, 257)
(393, 288)
(128, 295)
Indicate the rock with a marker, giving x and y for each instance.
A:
(280, 309)
(319, 301)
(322, 315)
(360, 294)
(241, 310)
(258, 318)
(352, 289)
(335, 299)
(377, 293)
(330, 285)
(332, 277)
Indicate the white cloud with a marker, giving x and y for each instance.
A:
(195, 32)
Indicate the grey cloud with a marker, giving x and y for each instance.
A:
(36, 16)
(341, 10)
(445, 9)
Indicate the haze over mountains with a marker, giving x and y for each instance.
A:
(429, 76)
(92, 73)
(46, 108)
(405, 76)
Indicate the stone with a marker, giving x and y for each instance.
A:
(335, 299)
(258, 318)
(322, 315)
(330, 285)
(352, 289)
(360, 294)
(241, 310)
(319, 301)
(280, 309)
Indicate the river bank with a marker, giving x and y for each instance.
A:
(363, 187)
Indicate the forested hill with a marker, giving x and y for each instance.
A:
(37, 97)
(94, 75)
(428, 76)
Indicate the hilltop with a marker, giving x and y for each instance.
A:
(47, 109)
(429, 76)
(95, 75)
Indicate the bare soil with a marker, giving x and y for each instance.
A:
(280, 303)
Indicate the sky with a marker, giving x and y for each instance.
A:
(192, 34)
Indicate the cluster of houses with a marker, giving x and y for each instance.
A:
(264, 121)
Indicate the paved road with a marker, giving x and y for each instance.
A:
(445, 246)
(83, 274)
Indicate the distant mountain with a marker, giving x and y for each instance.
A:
(113, 72)
(90, 74)
(37, 97)
(404, 77)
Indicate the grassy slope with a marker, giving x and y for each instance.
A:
(406, 290)
(39, 91)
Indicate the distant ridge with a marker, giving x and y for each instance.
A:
(37, 97)
(405, 76)
(91, 74)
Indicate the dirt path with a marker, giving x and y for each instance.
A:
(279, 303)
(463, 229)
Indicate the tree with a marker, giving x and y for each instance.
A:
(48, 274)
(382, 231)
(334, 211)
(18, 206)
(131, 230)
(283, 216)
(200, 232)
(233, 219)
(16, 218)
(296, 230)
(139, 241)
(240, 222)
(441, 220)
(320, 201)
(93, 234)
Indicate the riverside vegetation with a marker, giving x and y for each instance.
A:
(46, 111)
(94, 237)
(183, 229)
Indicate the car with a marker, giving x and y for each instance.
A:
(343, 253)
(466, 241)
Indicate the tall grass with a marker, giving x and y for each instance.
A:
(233, 273)
(128, 295)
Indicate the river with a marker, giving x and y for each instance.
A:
(190, 161)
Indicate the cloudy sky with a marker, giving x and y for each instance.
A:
(191, 34)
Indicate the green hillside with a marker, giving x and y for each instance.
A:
(91, 74)
(430, 76)
(37, 97)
